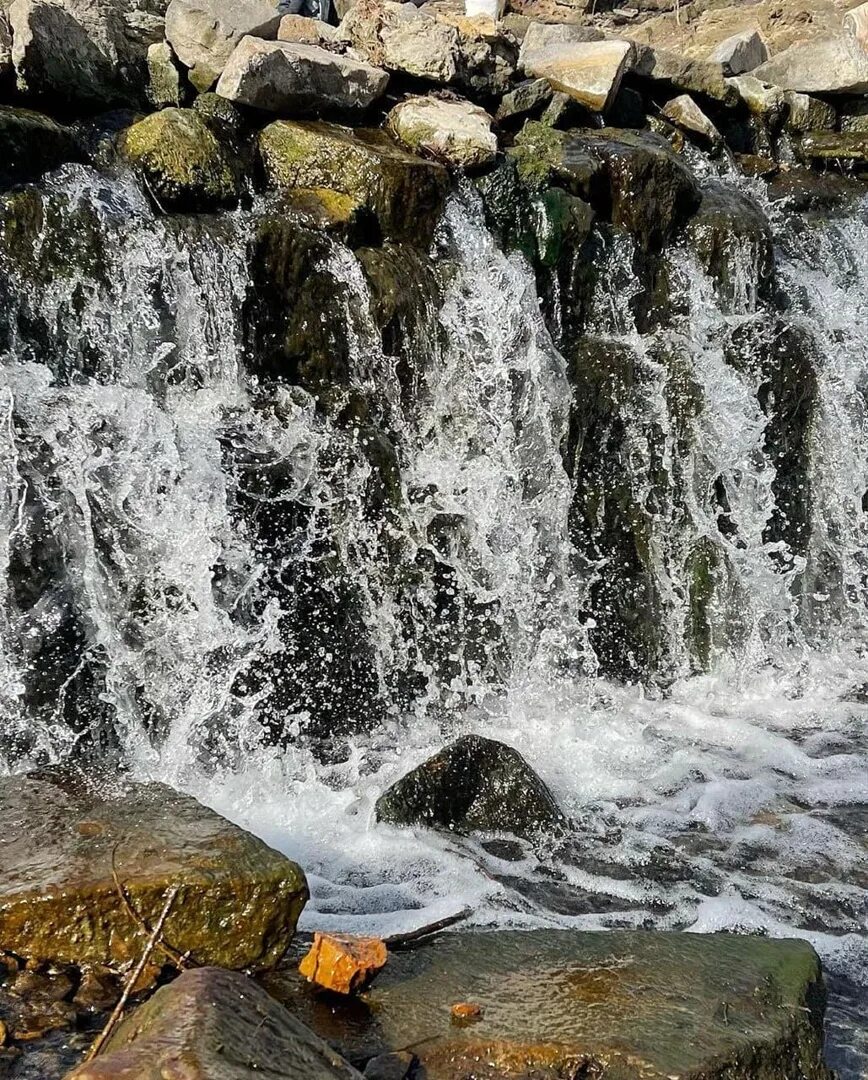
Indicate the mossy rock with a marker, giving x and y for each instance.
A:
(31, 144)
(404, 192)
(184, 162)
(618, 1005)
(65, 839)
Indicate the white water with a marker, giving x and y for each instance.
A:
(733, 800)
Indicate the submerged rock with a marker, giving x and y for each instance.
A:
(282, 77)
(184, 162)
(62, 838)
(622, 1003)
(473, 785)
(454, 132)
(31, 144)
(404, 192)
(848, 147)
(211, 1024)
(204, 33)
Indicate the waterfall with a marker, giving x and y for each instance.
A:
(279, 579)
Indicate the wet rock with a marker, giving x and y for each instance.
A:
(847, 147)
(59, 836)
(590, 72)
(31, 144)
(741, 53)
(825, 65)
(473, 785)
(165, 80)
(641, 184)
(806, 113)
(674, 70)
(301, 29)
(454, 132)
(405, 193)
(184, 163)
(343, 963)
(211, 1024)
(98, 991)
(204, 33)
(760, 99)
(685, 114)
(527, 100)
(395, 1066)
(803, 190)
(280, 77)
(82, 52)
(727, 224)
(564, 1003)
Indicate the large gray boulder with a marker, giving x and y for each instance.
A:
(89, 52)
(825, 65)
(285, 78)
(211, 1024)
(589, 72)
(204, 33)
(542, 41)
(473, 785)
(454, 132)
(68, 844)
(740, 53)
(699, 77)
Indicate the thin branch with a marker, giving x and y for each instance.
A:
(398, 941)
(134, 977)
(180, 960)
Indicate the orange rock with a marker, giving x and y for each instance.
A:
(466, 1012)
(343, 963)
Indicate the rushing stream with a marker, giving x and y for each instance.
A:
(281, 598)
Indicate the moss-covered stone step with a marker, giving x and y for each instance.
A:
(620, 1005)
(68, 846)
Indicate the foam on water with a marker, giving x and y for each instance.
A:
(732, 800)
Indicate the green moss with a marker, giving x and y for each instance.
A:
(186, 165)
(404, 192)
(538, 154)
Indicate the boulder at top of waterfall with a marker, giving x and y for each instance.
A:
(63, 837)
(827, 65)
(185, 164)
(31, 144)
(473, 785)
(454, 132)
(590, 72)
(764, 101)
(83, 53)
(674, 70)
(846, 147)
(629, 1004)
(282, 77)
(403, 38)
(632, 178)
(405, 193)
(806, 113)
(685, 114)
(166, 83)
(204, 33)
(543, 41)
(740, 53)
(211, 1024)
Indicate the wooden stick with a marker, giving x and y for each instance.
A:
(180, 960)
(398, 941)
(117, 1012)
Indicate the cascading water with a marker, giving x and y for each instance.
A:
(281, 596)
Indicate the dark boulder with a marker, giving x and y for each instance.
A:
(473, 785)
(31, 144)
(211, 1024)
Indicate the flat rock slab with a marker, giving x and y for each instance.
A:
(625, 1004)
(238, 900)
(211, 1024)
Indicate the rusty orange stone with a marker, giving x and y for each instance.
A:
(342, 962)
(466, 1012)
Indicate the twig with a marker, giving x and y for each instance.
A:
(397, 941)
(180, 960)
(117, 1012)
